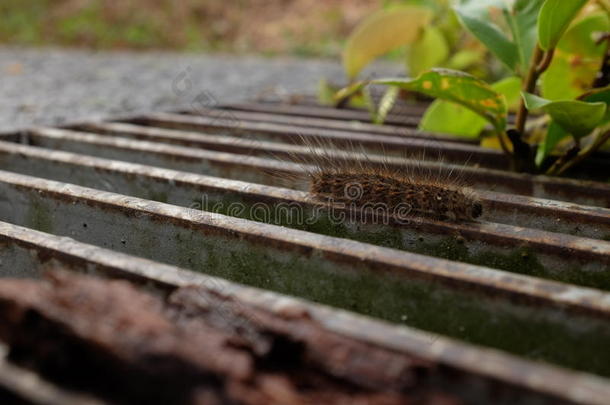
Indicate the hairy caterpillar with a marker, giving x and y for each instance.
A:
(361, 181)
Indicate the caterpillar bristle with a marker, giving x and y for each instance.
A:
(353, 177)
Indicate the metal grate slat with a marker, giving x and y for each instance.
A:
(518, 301)
(491, 369)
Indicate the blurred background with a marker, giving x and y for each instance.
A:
(66, 60)
(281, 27)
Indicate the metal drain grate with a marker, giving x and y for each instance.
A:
(514, 308)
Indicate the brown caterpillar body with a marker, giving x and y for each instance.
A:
(397, 186)
(422, 198)
(388, 185)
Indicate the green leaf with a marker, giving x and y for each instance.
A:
(510, 88)
(568, 76)
(475, 16)
(450, 118)
(578, 118)
(429, 51)
(457, 87)
(464, 59)
(577, 59)
(580, 39)
(554, 19)
(522, 21)
(460, 88)
(560, 81)
(601, 94)
(380, 33)
(554, 135)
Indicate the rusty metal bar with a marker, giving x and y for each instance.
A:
(437, 145)
(256, 169)
(359, 121)
(157, 154)
(392, 145)
(552, 251)
(180, 188)
(408, 117)
(260, 113)
(549, 215)
(272, 131)
(538, 267)
(402, 115)
(22, 186)
(310, 99)
(492, 370)
(329, 270)
(401, 147)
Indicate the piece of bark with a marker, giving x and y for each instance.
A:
(110, 339)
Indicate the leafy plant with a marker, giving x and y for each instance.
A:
(382, 32)
(429, 35)
(556, 63)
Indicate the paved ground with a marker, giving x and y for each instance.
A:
(53, 86)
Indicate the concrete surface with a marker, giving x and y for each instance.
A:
(48, 86)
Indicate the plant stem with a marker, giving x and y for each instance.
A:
(503, 143)
(529, 86)
(598, 143)
(522, 152)
(603, 76)
(522, 156)
(544, 63)
(564, 159)
(343, 96)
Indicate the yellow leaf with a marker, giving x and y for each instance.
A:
(493, 142)
(380, 33)
(429, 51)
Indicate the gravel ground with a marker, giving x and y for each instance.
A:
(51, 86)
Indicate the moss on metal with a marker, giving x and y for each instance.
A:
(39, 215)
(518, 329)
(576, 341)
(519, 260)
